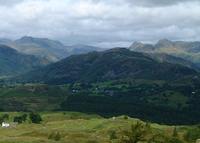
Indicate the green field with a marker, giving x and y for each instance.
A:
(73, 127)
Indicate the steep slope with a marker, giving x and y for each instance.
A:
(13, 62)
(187, 50)
(42, 47)
(163, 58)
(118, 63)
(49, 49)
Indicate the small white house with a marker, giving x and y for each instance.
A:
(5, 125)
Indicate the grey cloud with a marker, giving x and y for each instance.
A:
(150, 3)
(10, 2)
(101, 22)
(159, 2)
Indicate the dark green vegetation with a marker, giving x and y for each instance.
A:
(113, 82)
(13, 62)
(119, 63)
(32, 117)
(31, 97)
(160, 101)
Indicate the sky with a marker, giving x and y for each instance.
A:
(105, 23)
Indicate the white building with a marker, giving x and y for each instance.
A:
(5, 125)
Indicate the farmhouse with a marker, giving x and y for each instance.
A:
(5, 125)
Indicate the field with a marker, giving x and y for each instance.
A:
(73, 127)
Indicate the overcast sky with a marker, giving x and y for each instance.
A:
(101, 22)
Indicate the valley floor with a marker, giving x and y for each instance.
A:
(72, 127)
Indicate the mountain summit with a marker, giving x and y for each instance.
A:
(187, 50)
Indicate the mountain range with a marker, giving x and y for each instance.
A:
(187, 50)
(28, 53)
(117, 63)
(48, 49)
(85, 64)
(136, 81)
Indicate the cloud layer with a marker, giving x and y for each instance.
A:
(101, 22)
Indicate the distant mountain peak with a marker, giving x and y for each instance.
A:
(32, 39)
(136, 45)
(164, 43)
(25, 38)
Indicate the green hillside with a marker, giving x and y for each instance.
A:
(12, 62)
(112, 82)
(118, 63)
(169, 102)
(71, 127)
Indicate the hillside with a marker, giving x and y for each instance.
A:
(145, 87)
(187, 50)
(13, 62)
(73, 127)
(166, 58)
(118, 63)
(51, 50)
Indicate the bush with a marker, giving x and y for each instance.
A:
(5, 117)
(174, 140)
(175, 133)
(35, 118)
(137, 133)
(125, 117)
(192, 135)
(55, 136)
(1, 120)
(18, 119)
(24, 117)
(113, 135)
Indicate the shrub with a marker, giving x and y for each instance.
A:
(35, 118)
(192, 134)
(5, 117)
(18, 119)
(113, 135)
(55, 136)
(24, 117)
(1, 120)
(174, 140)
(137, 133)
(175, 133)
(125, 117)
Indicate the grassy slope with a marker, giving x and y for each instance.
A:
(74, 128)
